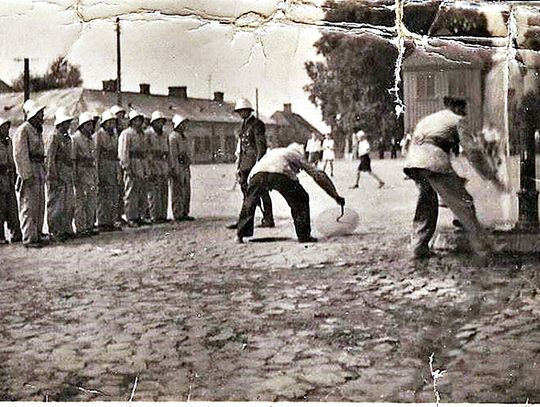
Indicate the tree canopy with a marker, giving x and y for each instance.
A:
(60, 74)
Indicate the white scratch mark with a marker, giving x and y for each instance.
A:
(134, 388)
(435, 375)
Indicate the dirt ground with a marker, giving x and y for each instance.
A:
(181, 312)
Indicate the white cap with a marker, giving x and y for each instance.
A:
(361, 133)
(31, 108)
(85, 117)
(117, 109)
(243, 104)
(107, 115)
(178, 119)
(4, 121)
(134, 114)
(157, 115)
(60, 116)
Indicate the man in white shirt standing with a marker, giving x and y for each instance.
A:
(314, 149)
(277, 170)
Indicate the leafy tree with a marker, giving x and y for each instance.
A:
(60, 74)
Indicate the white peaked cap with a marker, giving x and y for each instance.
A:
(60, 116)
(178, 119)
(133, 114)
(31, 108)
(4, 121)
(243, 103)
(85, 117)
(157, 115)
(107, 115)
(117, 109)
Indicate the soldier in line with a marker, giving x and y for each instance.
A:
(8, 200)
(146, 186)
(132, 160)
(252, 147)
(180, 172)
(106, 145)
(85, 180)
(120, 114)
(159, 151)
(59, 165)
(28, 154)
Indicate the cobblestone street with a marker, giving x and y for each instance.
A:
(187, 314)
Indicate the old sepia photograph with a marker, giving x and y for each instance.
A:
(270, 200)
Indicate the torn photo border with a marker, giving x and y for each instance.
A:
(395, 62)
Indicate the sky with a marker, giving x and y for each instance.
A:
(208, 46)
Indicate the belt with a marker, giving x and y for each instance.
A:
(138, 155)
(108, 155)
(85, 162)
(37, 158)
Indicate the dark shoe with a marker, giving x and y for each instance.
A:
(423, 256)
(16, 239)
(267, 224)
(381, 184)
(232, 226)
(94, 232)
(354, 187)
(308, 239)
(3, 242)
(132, 224)
(188, 218)
(239, 239)
(34, 245)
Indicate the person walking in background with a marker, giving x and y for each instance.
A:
(364, 149)
(180, 160)
(314, 149)
(85, 176)
(106, 145)
(252, 147)
(381, 146)
(159, 150)
(8, 199)
(132, 155)
(428, 164)
(328, 153)
(60, 189)
(29, 157)
(394, 143)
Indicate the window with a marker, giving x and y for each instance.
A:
(425, 85)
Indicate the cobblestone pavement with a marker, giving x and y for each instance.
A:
(188, 315)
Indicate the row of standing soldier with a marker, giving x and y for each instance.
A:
(109, 167)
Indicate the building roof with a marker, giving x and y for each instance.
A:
(4, 87)
(300, 128)
(444, 57)
(77, 100)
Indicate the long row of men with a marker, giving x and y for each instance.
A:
(110, 166)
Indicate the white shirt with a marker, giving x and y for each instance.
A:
(313, 145)
(328, 144)
(363, 147)
(280, 161)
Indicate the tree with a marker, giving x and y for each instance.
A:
(60, 74)
(351, 86)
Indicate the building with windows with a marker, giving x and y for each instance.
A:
(430, 76)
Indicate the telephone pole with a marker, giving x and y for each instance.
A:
(257, 102)
(26, 79)
(118, 64)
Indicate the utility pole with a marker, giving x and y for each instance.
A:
(257, 102)
(26, 79)
(118, 65)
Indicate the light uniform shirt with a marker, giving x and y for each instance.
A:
(363, 148)
(313, 145)
(284, 161)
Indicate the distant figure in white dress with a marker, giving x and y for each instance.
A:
(328, 154)
(365, 162)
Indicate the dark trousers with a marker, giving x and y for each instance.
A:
(264, 200)
(296, 196)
